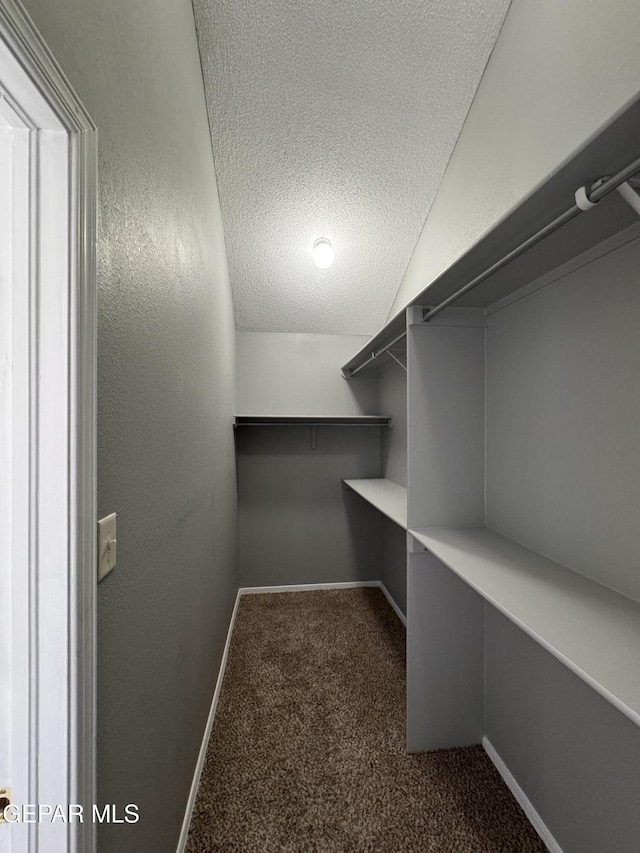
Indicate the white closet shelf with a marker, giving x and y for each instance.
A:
(311, 420)
(593, 630)
(385, 495)
(611, 150)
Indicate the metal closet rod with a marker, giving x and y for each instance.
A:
(600, 190)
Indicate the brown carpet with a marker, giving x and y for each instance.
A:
(308, 746)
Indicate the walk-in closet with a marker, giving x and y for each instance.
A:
(477, 459)
(320, 426)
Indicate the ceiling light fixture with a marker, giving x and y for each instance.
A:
(322, 253)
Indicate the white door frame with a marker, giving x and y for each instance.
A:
(48, 422)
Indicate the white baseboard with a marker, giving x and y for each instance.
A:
(393, 604)
(303, 587)
(254, 590)
(525, 803)
(193, 793)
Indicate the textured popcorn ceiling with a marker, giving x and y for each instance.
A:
(333, 119)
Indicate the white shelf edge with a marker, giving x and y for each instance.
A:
(380, 493)
(423, 536)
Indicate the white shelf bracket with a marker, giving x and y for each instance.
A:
(396, 359)
(630, 196)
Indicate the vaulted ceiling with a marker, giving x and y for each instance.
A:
(333, 119)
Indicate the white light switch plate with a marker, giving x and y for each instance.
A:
(107, 541)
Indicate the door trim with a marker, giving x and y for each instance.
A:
(46, 102)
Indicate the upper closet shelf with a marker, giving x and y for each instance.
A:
(311, 420)
(495, 258)
(388, 497)
(591, 629)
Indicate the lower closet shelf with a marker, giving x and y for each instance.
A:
(593, 630)
(385, 495)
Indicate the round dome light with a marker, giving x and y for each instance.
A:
(322, 253)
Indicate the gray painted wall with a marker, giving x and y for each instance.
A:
(558, 72)
(563, 412)
(166, 385)
(574, 754)
(299, 374)
(298, 524)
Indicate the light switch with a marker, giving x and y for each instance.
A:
(107, 542)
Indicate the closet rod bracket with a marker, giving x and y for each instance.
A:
(628, 193)
(583, 196)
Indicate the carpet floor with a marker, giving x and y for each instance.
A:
(308, 752)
